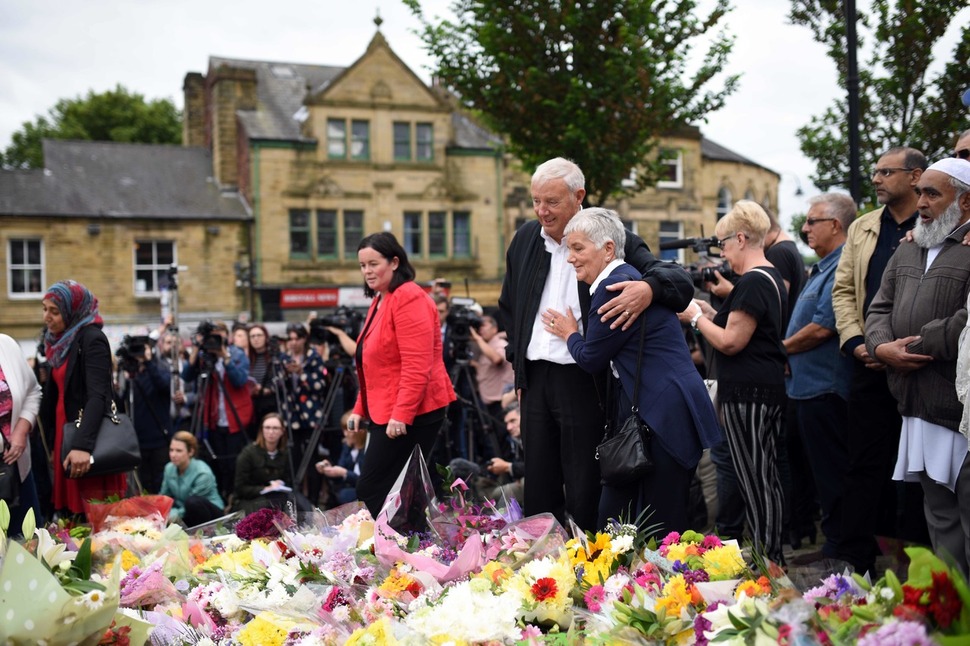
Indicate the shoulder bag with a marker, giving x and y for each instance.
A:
(624, 456)
(116, 447)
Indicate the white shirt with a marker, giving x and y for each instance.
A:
(930, 448)
(607, 270)
(559, 293)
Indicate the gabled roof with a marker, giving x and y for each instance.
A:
(280, 91)
(121, 180)
(715, 151)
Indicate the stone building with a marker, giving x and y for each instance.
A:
(285, 167)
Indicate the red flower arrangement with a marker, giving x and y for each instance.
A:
(262, 523)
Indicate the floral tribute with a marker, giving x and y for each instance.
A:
(342, 577)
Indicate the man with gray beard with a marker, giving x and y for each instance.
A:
(913, 327)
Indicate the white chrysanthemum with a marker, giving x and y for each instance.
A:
(225, 601)
(621, 544)
(484, 616)
(341, 613)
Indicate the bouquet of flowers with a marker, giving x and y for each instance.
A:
(149, 507)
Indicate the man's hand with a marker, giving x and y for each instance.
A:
(498, 466)
(895, 355)
(625, 307)
(861, 354)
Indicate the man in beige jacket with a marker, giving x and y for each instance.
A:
(874, 423)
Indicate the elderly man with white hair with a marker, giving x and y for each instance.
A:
(914, 327)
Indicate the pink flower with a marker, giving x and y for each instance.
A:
(594, 598)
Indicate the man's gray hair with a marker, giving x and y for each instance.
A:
(960, 187)
(560, 168)
(599, 225)
(839, 206)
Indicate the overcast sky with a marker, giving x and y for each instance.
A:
(57, 49)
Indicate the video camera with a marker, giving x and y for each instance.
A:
(344, 318)
(461, 321)
(702, 247)
(131, 352)
(210, 343)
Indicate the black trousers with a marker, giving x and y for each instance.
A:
(386, 457)
(562, 422)
(873, 503)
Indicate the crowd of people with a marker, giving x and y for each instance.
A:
(837, 393)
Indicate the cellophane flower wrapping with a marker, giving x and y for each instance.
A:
(411, 509)
(136, 507)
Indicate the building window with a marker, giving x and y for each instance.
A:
(153, 260)
(672, 169)
(299, 233)
(629, 225)
(670, 231)
(723, 202)
(336, 139)
(25, 267)
(436, 233)
(461, 234)
(327, 233)
(360, 140)
(412, 233)
(424, 142)
(402, 141)
(353, 232)
(749, 195)
(767, 202)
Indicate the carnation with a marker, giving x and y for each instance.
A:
(262, 523)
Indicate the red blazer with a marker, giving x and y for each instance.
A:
(402, 372)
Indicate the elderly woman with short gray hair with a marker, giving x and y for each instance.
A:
(672, 398)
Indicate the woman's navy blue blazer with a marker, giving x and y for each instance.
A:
(673, 399)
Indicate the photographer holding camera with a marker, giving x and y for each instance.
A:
(147, 393)
(224, 408)
(493, 372)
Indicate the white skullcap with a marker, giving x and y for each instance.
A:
(954, 167)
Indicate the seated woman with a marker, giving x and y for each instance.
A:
(263, 471)
(190, 483)
(672, 398)
(343, 475)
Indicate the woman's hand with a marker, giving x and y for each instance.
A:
(561, 325)
(17, 443)
(396, 429)
(688, 314)
(77, 463)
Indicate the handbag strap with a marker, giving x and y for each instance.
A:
(781, 307)
(636, 380)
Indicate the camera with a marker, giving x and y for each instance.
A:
(344, 318)
(702, 275)
(131, 352)
(461, 321)
(210, 343)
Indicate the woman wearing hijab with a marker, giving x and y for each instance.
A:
(80, 362)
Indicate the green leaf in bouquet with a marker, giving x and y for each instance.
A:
(4, 516)
(861, 581)
(893, 582)
(81, 568)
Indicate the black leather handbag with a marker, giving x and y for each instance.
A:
(9, 478)
(116, 447)
(624, 456)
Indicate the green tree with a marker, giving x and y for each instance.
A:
(597, 81)
(901, 103)
(115, 115)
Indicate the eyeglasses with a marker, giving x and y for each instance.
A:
(963, 153)
(721, 241)
(811, 221)
(886, 172)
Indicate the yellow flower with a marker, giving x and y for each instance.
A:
(675, 596)
(378, 633)
(495, 572)
(723, 562)
(596, 558)
(266, 629)
(128, 560)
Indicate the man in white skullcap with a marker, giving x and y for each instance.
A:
(914, 326)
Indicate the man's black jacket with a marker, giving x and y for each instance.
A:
(527, 265)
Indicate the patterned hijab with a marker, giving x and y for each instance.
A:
(79, 308)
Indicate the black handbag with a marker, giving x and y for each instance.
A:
(624, 456)
(9, 479)
(116, 447)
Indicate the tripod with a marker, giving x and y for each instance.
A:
(476, 420)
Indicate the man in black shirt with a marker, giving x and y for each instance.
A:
(869, 506)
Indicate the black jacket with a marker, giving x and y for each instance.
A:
(151, 403)
(87, 386)
(527, 265)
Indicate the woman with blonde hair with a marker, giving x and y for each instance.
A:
(746, 334)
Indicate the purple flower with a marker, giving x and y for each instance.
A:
(897, 633)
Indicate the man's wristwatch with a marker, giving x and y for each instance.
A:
(695, 318)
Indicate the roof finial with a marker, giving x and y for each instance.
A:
(378, 20)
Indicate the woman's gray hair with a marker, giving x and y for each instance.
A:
(599, 225)
(560, 168)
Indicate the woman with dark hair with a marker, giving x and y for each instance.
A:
(404, 387)
(262, 369)
(190, 483)
(80, 359)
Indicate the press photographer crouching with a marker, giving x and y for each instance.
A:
(501, 476)
(224, 408)
(147, 397)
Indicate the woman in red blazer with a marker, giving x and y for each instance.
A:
(404, 387)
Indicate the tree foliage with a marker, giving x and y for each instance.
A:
(115, 115)
(596, 81)
(901, 102)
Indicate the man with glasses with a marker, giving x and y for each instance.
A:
(869, 507)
